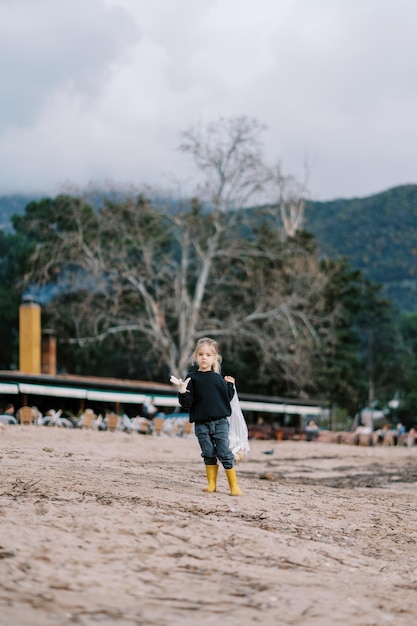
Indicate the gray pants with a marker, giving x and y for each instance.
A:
(213, 438)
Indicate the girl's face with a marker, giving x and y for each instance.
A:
(205, 357)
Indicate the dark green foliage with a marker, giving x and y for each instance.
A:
(409, 404)
(366, 362)
(342, 373)
(14, 251)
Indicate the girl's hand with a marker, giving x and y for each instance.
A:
(181, 384)
(229, 379)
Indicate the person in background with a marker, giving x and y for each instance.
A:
(149, 409)
(400, 428)
(312, 431)
(10, 410)
(207, 395)
(8, 415)
(411, 437)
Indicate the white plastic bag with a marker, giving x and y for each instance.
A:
(238, 431)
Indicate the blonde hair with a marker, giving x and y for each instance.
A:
(215, 349)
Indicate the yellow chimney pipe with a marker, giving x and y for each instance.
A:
(30, 337)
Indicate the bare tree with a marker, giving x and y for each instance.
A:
(228, 152)
(287, 200)
(174, 273)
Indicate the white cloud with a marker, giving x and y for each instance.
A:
(49, 46)
(100, 89)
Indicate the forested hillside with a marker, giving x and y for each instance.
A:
(378, 234)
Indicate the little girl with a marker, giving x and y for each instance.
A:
(207, 397)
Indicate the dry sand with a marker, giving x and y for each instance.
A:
(114, 528)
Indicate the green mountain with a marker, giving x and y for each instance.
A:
(378, 235)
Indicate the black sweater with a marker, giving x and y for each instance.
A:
(207, 397)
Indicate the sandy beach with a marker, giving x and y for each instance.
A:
(114, 528)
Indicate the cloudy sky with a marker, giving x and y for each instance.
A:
(100, 90)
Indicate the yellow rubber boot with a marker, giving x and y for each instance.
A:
(234, 487)
(211, 471)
